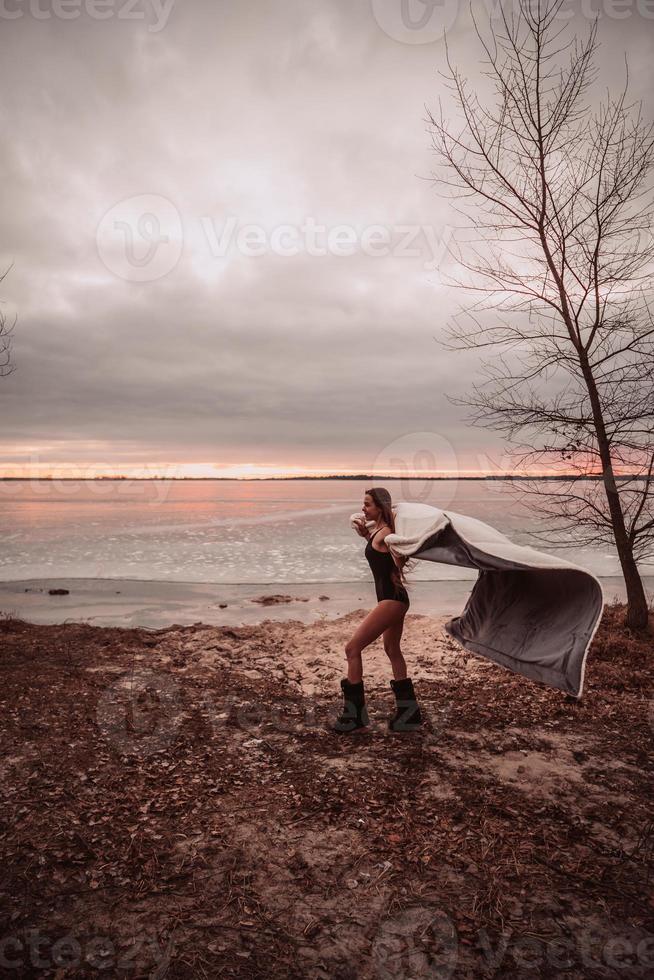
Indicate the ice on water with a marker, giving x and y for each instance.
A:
(294, 531)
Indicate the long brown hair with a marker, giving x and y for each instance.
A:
(382, 499)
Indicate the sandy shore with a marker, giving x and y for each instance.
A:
(174, 805)
(129, 602)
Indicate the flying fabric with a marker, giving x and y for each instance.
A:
(528, 611)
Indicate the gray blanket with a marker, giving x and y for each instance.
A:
(528, 611)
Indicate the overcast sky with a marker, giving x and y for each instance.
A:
(155, 331)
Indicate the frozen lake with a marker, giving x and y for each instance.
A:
(235, 532)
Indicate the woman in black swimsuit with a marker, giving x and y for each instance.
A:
(386, 618)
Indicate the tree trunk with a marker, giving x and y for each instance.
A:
(637, 612)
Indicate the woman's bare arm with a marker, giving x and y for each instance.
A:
(381, 538)
(400, 561)
(361, 528)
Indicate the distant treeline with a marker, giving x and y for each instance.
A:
(360, 476)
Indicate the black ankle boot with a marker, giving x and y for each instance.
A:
(407, 716)
(354, 715)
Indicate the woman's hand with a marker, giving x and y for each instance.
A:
(360, 525)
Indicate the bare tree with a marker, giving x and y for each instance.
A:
(558, 252)
(6, 366)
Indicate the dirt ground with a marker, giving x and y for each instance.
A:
(175, 806)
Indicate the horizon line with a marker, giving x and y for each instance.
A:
(333, 476)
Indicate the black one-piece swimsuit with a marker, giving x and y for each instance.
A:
(382, 565)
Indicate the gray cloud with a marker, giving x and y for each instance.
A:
(268, 113)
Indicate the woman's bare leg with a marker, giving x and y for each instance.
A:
(392, 637)
(386, 613)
